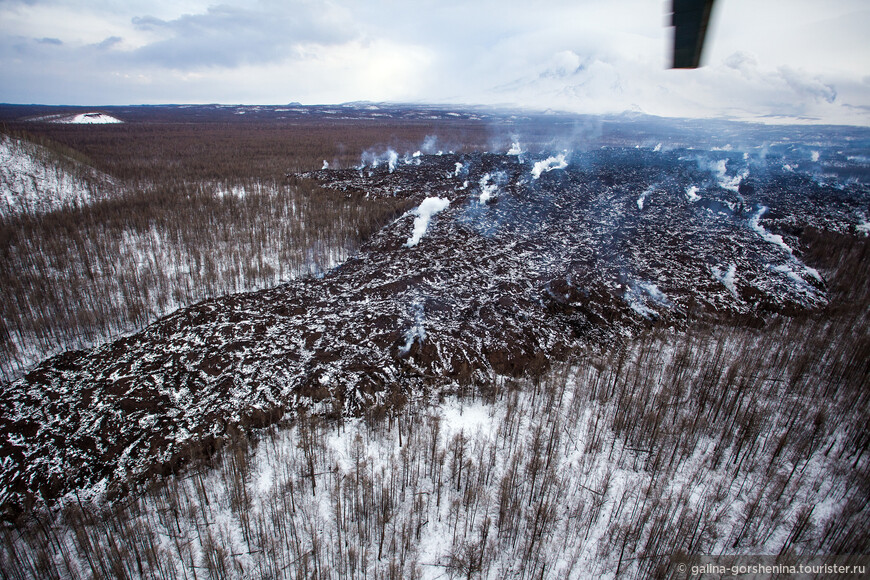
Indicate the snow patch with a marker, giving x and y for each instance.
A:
(230, 191)
(468, 418)
(89, 119)
(32, 180)
(429, 207)
(864, 226)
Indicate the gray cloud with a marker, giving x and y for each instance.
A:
(230, 36)
(110, 42)
(742, 61)
(580, 55)
(808, 86)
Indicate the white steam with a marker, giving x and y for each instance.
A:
(429, 207)
(727, 277)
(488, 188)
(644, 195)
(515, 149)
(549, 164)
(692, 193)
(755, 224)
(416, 332)
(731, 183)
(325, 164)
(390, 157)
(429, 144)
(642, 296)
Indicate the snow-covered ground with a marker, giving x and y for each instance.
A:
(35, 180)
(93, 118)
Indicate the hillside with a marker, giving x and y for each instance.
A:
(36, 180)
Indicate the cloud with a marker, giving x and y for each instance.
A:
(742, 61)
(564, 64)
(110, 42)
(807, 86)
(230, 36)
(577, 55)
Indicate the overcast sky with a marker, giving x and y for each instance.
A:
(774, 60)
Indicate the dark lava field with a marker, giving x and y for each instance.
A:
(503, 263)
